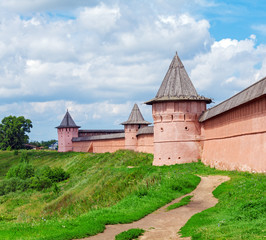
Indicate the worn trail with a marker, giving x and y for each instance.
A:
(165, 225)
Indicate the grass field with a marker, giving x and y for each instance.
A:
(103, 190)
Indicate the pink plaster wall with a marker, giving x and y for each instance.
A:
(176, 131)
(110, 145)
(131, 141)
(65, 136)
(85, 146)
(236, 140)
(99, 146)
(145, 143)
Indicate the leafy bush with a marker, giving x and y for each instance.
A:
(9, 148)
(55, 175)
(44, 171)
(40, 183)
(13, 184)
(24, 157)
(58, 174)
(15, 152)
(133, 233)
(22, 177)
(22, 170)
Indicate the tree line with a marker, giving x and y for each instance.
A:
(13, 134)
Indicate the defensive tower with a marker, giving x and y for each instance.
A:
(175, 110)
(66, 131)
(132, 125)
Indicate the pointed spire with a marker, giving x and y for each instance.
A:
(67, 122)
(177, 85)
(135, 117)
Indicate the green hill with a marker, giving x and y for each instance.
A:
(122, 187)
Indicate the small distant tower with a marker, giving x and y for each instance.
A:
(132, 125)
(66, 131)
(175, 110)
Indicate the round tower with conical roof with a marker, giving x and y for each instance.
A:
(132, 125)
(66, 131)
(175, 110)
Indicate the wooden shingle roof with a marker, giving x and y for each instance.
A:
(254, 91)
(99, 137)
(145, 130)
(135, 117)
(177, 85)
(68, 122)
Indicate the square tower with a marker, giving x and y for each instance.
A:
(66, 131)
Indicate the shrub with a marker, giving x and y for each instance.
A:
(22, 170)
(15, 152)
(133, 233)
(40, 183)
(55, 175)
(59, 174)
(9, 148)
(13, 184)
(44, 171)
(24, 157)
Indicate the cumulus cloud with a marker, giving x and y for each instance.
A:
(98, 59)
(100, 18)
(165, 34)
(228, 67)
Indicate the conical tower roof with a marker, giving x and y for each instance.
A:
(135, 117)
(177, 85)
(67, 122)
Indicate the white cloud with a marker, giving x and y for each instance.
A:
(40, 5)
(165, 34)
(100, 18)
(98, 60)
(261, 28)
(229, 67)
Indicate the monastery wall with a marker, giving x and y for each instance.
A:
(108, 145)
(99, 146)
(236, 139)
(82, 146)
(145, 143)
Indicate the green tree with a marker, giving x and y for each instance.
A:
(13, 132)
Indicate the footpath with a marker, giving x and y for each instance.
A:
(164, 225)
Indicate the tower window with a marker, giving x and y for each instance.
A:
(161, 129)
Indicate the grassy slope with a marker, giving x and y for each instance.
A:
(101, 190)
(240, 213)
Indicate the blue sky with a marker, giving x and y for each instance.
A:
(97, 58)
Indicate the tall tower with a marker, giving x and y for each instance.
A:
(66, 131)
(175, 110)
(132, 125)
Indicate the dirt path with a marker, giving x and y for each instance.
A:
(165, 225)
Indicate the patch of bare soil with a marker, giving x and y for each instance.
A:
(163, 224)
